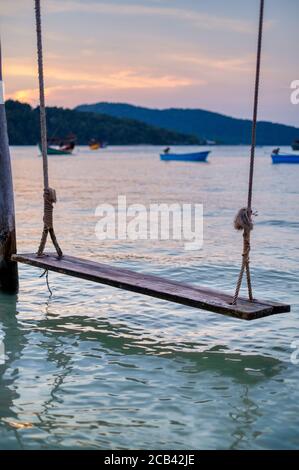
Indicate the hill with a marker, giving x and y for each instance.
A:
(23, 127)
(203, 124)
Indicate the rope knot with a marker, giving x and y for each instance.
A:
(50, 195)
(49, 200)
(243, 220)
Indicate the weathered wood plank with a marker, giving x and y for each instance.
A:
(198, 297)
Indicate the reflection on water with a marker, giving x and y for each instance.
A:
(96, 367)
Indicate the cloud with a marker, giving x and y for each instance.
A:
(236, 64)
(198, 19)
(157, 8)
(62, 81)
(19, 70)
(122, 79)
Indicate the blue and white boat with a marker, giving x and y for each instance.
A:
(285, 157)
(185, 157)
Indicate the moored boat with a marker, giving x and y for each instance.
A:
(295, 145)
(185, 157)
(96, 144)
(285, 157)
(57, 150)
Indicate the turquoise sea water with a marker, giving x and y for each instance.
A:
(94, 367)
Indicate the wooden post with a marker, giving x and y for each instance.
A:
(8, 269)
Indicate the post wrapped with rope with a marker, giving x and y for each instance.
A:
(49, 193)
(243, 220)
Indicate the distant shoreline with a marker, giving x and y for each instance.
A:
(205, 125)
(122, 124)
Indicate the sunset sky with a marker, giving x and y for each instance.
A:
(157, 53)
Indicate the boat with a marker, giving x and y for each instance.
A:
(285, 157)
(58, 150)
(185, 157)
(295, 145)
(96, 144)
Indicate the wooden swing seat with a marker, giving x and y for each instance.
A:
(146, 284)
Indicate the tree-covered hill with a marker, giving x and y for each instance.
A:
(23, 127)
(205, 125)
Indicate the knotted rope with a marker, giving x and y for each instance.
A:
(49, 193)
(243, 220)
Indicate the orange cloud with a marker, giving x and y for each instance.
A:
(13, 70)
(60, 79)
(122, 79)
(243, 64)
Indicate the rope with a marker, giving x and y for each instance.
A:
(243, 220)
(49, 193)
(46, 273)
